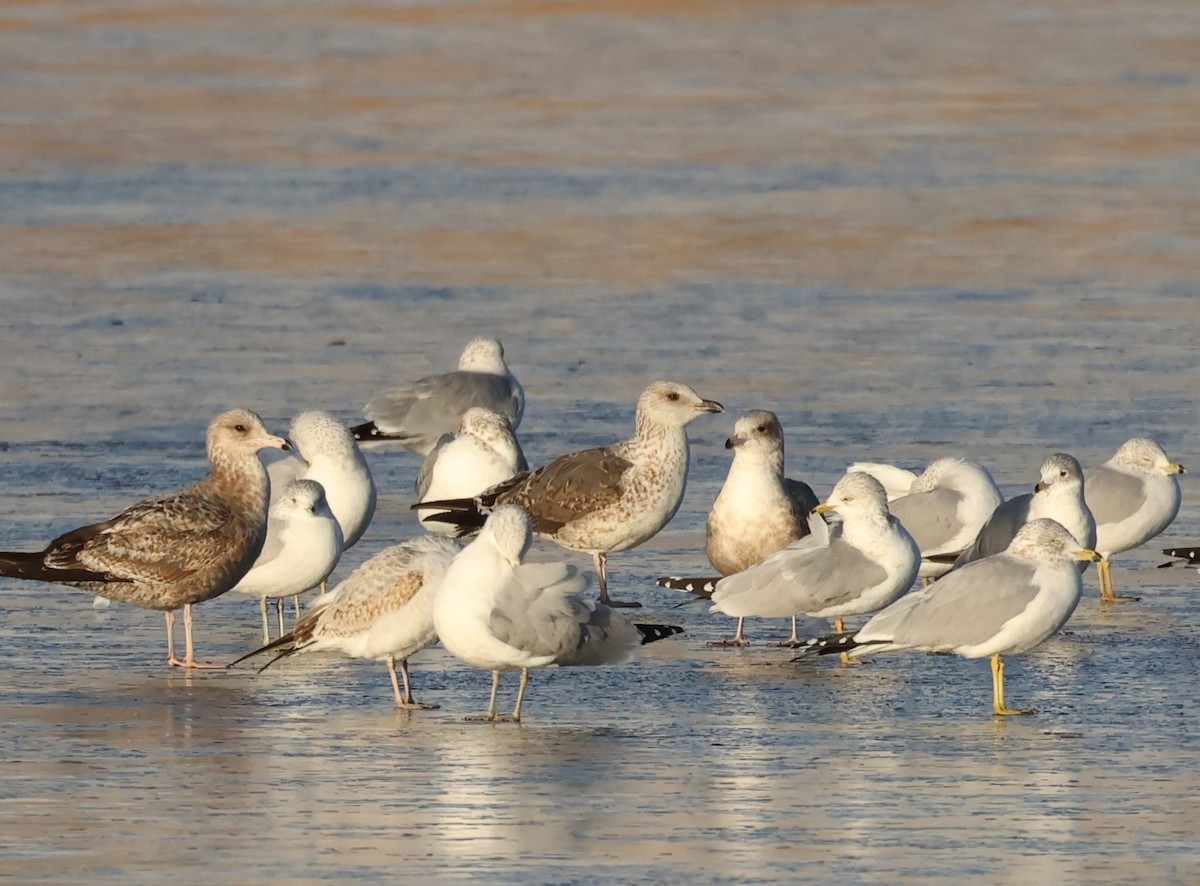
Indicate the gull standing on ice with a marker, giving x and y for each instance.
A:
(896, 482)
(494, 612)
(483, 453)
(418, 415)
(304, 543)
(383, 611)
(1058, 495)
(860, 565)
(1001, 605)
(170, 552)
(608, 499)
(1133, 496)
(757, 512)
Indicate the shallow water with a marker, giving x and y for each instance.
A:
(911, 229)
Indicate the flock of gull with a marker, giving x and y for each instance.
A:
(996, 577)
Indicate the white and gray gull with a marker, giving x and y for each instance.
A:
(418, 415)
(607, 499)
(176, 550)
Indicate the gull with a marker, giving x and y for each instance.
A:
(1133, 496)
(608, 499)
(757, 512)
(483, 453)
(418, 415)
(860, 565)
(1001, 605)
(170, 552)
(945, 509)
(304, 543)
(383, 611)
(896, 482)
(493, 611)
(1188, 555)
(1058, 495)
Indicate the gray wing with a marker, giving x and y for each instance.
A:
(998, 531)
(432, 406)
(833, 575)
(425, 475)
(522, 464)
(284, 471)
(273, 546)
(1111, 495)
(801, 495)
(931, 518)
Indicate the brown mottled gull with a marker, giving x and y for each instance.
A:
(607, 499)
(384, 610)
(170, 552)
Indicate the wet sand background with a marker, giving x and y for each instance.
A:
(912, 229)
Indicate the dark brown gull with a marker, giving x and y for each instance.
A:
(170, 552)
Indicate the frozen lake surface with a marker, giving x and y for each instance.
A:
(911, 229)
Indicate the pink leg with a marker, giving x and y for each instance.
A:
(405, 702)
(170, 617)
(189, 657)
(739, 638)
(598, 561)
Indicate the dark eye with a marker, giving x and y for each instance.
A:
(762, 429)
(1062, 473)
(241, 429)
(673, 395)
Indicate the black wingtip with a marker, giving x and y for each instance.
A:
(367, 431)
(1191, 553)
(652, 633)
(274, 644)
(701, 587)
(31, 565)
(830, 644)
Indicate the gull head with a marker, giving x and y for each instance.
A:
(1046, 541)
(672, 404)
(303, 498)
(509, 529)
(315, 432)
(1061, 471)
(483, 355)
(958, 474)
(240, 431)
(855, 494)
(1144, 453)
(488, 426)
(757, 432)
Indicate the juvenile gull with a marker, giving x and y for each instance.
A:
(945, 509)
(303, 545)
(1058, 495)
(608, 499)
(757, 512)
(860, 565)
(1133, 496)
(483, 453)
(1001, 605)
(170, 552)
(418, 415)
(494, 612)
(383, 611)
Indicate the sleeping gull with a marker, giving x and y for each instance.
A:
(945, 509)
(304, 543)
(896, 482)
(483, 453)
(494, 612)
(608, 499)
(1001, 605)
(1133, 496)
(1058, 495)
(170, 552)
(384, 610)
(860, 565)
(757, 512)
(418, 415)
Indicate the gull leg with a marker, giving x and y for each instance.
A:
(739, 638)
(839, 627)
(1104, 568)
(999, 708)
(295, 607)
(189, 658)
(515, 716)
(279, 604)
(405, 702)
(598, 561)
(490, 716)
(262, 608)
(170, 619)
(792, 642)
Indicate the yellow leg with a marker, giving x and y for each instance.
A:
(999, 708)
(1107, 595)
(839, 627)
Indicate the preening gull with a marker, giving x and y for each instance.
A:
(304, 543)
(1058, 495)
(608, 499)
(494, 612)
(483, 453)
(170, 552)
(896, 482)
(382, 611)
(418, 415)
(945, 509)
(757, 512)
(1001, 605)
(1133, 496)
(860, 565)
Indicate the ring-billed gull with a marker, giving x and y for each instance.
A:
(382, 611)
(608, 499)
(897, 482)
(1188, 555)
(418, 415)
(757, 512)
(170, 552)
(1001, 605)
(860, 565)
(1133, 496)
(304, 543)
(494, 612)
(945, 509)
(483, 453)
(1058, 495)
